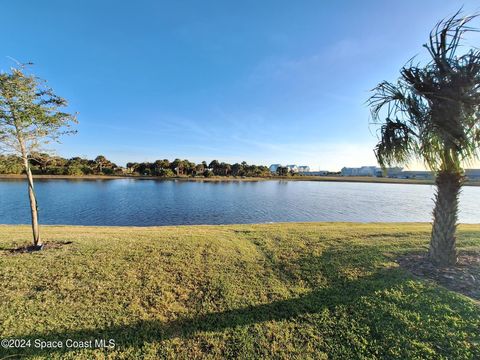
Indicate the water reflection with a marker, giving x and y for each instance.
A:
(164, 202)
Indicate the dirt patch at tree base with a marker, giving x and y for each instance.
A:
(31, 248)
(464, 277)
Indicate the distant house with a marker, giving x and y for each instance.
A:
(303, 169)
(292, 168)
(273, 168)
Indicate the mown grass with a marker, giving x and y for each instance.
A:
(316, 290)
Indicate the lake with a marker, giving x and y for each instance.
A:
(172, 202)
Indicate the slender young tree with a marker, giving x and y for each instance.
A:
(30, 118)
(432, 113)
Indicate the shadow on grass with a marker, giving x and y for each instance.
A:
(26, 249)
(340, 292)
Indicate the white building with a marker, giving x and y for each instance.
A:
(349, 171)
(420, 175)
(361, 171)
(303, 169)
(393, 172)
(470, 174)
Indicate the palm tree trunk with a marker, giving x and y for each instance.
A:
(445, 215)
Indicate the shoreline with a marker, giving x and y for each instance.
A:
(213, 226)
(228, 225)
(356, 179)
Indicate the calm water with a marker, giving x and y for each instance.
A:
(150, 202)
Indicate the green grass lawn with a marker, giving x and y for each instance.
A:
(292, 291)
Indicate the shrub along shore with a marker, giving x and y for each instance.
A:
(293, 290)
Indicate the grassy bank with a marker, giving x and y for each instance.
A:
(312, 290)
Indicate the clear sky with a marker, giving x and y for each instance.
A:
(261, 81)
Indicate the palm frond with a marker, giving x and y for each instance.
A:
(436, 107)
(397, 143)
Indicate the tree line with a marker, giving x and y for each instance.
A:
(45, 164)
(180, 167)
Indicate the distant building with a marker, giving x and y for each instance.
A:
(472, 174)
(361, 171)
(303, 169)
(394, 172)
(397, 172)
(420, 175)
(349, 171)
(273, 168)
(292, 168)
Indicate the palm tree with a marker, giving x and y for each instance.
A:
(101, 162)
(432, 114)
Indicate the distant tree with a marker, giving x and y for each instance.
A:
(282, 171)
(132, 167)
(164, 164)
(42, 160)
(101, 162)
(80, 163)
(11, 164)
(188, 167)
(225, 169)
(261, 171)
(157, 167)
(214, 166)
(199, 169)
(237, 169)
(432, 113)
(74, 170)
(144, 168)
(177, 166)
(86, 170)
(166, 173)
(30, 118)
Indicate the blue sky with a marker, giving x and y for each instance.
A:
(260, 81)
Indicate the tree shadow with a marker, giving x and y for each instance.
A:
(32, 249)
(340, 291)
